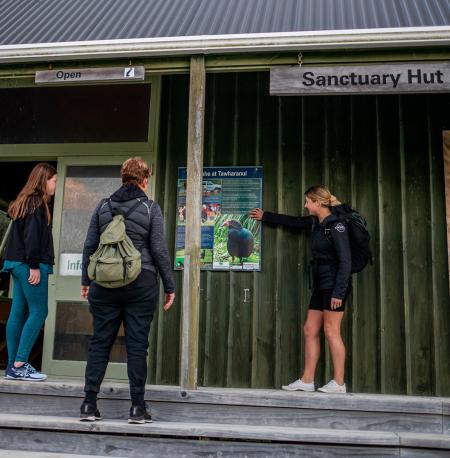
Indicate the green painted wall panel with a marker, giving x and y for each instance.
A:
(337, 173)
(313, 169)
(165, 348)
(215, 353)
(365, 304)
(383, 155)
(417, 236)
(392, 323)
(239, 367)
(265, 289)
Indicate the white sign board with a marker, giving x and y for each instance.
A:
(362, 79)
(70, 264)
(82, 75)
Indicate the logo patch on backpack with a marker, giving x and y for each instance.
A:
(340, 227)
(358, 235)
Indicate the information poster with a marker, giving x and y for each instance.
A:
(230, 239)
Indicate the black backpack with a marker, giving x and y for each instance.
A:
(358, 234)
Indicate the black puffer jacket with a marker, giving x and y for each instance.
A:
(144, 226)
(332, 260)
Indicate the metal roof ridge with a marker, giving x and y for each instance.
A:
(221, 44)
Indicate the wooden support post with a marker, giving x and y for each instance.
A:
(191, 274)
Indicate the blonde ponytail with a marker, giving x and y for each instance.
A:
(322, 194)
(333, 201)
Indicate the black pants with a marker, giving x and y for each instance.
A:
(132, 306)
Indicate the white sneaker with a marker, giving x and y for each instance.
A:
(299, 385)
(333, 387)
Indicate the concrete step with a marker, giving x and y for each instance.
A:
(239, 406)
(118, 438)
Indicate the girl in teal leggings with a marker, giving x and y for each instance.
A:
(29, 257)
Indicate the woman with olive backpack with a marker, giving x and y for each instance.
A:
(131, 303)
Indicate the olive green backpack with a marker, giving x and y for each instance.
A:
(116, 262)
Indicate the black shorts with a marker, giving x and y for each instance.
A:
(321, 300)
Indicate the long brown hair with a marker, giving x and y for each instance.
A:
(34, 193)
(320, 193)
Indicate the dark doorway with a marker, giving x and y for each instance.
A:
(13, 177)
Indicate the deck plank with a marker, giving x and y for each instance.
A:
(432, 441)
(137, 447)
(231, 414)
(234, 396)
(216, 431)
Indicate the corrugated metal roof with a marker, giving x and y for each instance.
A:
(53, 21)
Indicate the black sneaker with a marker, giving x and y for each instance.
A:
(139, 414)
(88, 412)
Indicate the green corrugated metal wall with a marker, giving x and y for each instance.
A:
(382, 154)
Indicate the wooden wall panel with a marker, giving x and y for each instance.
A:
(382, 154)
(265, 296)
(417, 265)
(337, 175)
(243, 154)
(313, 169)
(165, 351)
(287, 316)
(365, 305)
(390, 255)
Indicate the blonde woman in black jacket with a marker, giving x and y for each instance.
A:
(331, 272)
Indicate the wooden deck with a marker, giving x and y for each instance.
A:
(222, 422)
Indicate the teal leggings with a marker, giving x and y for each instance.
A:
(28, 311)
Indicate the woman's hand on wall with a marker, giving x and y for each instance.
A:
(256, 213)
(35, 277)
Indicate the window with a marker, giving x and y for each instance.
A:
(76, 114)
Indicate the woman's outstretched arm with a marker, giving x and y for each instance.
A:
(303, 223)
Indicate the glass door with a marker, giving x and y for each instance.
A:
(82, 183)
